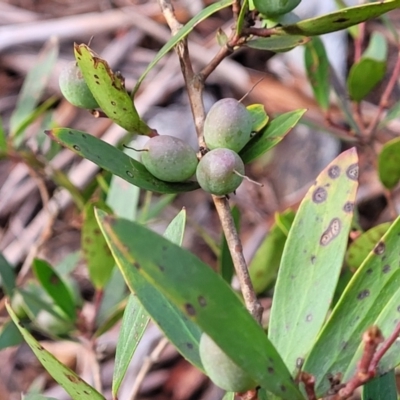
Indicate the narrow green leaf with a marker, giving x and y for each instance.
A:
(389, 163)
(278, 43)
(55, 287)
(264, 265)
(76, 387)
(371, 298)
(168, 269)
(259, 116)
(229, 396)
(9, 335)
(243, 12)
(3, 138)
(312, 259)
(134, 324)
(382, 388)
(115, 161)
(317, 67)
(360, 248)
(7, 276)
(109, 90)
(96, 253)
(339, 20)
(36, 396)
(271, 135)
(183, 32)
(34, 85)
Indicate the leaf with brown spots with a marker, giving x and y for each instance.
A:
(201, 296)
(338, 20)
(76, 387)
(109, 90)
(372, 297)
(312, 260)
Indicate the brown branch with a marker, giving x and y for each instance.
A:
(385, 98)
(309, 385)
(235, 248)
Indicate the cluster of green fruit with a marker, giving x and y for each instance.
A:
(227, 129)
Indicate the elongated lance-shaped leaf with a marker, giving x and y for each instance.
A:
(372, 297)
(317, 67)
(109, 90)
(135, 316)
(271, 135)
(312, 259)
(202, 296)
(338, 20)
(183, 32)
(182, 332)
(114, 160)
(75, 386)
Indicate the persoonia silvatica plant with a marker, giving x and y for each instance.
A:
(191, 302)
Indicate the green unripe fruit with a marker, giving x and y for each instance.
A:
(273, 8)
(228, 124)
(216, 172)
(169, 158)
(221, 369)
(74, 88)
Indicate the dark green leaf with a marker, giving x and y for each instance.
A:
(9, 335)
(243, 12)
(312, 259)
(271, 135)
(7, 275)
(389, 163)
(317, 67)
(53, 284)
(339, 20)
(264, 265)
(96, 253)
(168, 269)
(382, 388)
(115, 161)
(278, 44)
(371, 298)
(65, 377)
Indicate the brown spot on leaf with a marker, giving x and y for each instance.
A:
(309, 318)
(352, 172)
(113, 103)
(331, 232)
(136, 265)
(76, 147)
(319, 195)
(270, 370)
(190, 309)
(129, 173)
(379, 249)
(340, 20)
(386, 268)
(348, 207)
(363, 294)
(334, 171)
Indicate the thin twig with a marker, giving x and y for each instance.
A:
(385, 98)
(236, 250)
(147, 364)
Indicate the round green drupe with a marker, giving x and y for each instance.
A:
(274, 8)
(228, 125)
(216, 172)
(221, 369)
(169, 158)
(74, 88)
